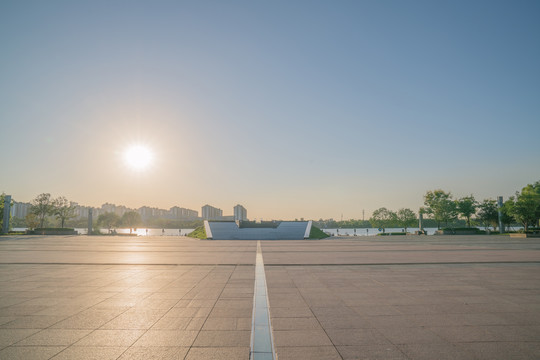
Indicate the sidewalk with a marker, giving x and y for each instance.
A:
(179, 298)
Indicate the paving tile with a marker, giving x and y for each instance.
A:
(196, 324)
(130, 320)
(225, 312)
(301, 338)
(412, 335)
(167, 338)
(90, 353)
(110, 338)
(294, 312)
(89, 319)
(32, 322)
(503, 350)
(348, 322)
(220, 324)
(295, 324)
(30, 352)
(356, 337)
(54, 337)
(436, 351)
(243, 323)
(371, 352)
(168, 322)
(223, 338)
(154, 353)
(307, 353)
(218, 353)
(354, 304)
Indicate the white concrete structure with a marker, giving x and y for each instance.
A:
(236, 230)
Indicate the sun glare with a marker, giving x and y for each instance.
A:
(138, 157)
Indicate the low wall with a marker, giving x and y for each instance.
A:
(53, 232)
(518, 235)
(456, 232)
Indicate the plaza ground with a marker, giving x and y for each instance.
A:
(165, 297)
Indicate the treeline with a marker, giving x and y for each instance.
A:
(365, 224)
(440, 208)
(523, 208)
(43, 210)
(46, 212)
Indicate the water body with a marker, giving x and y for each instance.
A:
(373, 231)
(333, 231)
(138, 231)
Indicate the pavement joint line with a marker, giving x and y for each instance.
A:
(121, 264)
(262, 341)
(413, 263)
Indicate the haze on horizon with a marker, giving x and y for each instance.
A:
(291, 108)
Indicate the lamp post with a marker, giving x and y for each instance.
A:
(90, 221)
(500, 203)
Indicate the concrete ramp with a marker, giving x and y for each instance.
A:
(231, 230)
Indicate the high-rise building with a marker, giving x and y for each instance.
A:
(211, 213)
(19, 210)
(240, 213)
(182, 213)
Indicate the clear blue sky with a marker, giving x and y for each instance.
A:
(292, 108)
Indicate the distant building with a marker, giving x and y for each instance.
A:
(240, 213)
(19, 210)
(146, 212)
(211, 213)
(182, 213)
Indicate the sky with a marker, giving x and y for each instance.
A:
(313, 109)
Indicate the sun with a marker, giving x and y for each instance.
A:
(138, 157)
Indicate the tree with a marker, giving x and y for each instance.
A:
(42, 206)
(381, 218)
(131, 219)
(507, 209)
(526, 205)
(406, 217)
(108, 220)
(32, 221)
(488, 214)
(63, 210)
(439, 204)
(466, 207)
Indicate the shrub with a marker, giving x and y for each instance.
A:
(198, 233)
(317, 233)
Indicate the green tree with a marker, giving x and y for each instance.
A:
(488, 213)
(42, 206)
(32, 221)
(526, 205)
(108, 220)
(63, 210)
(381, 218)
(466, 207)
(507, 209)
(131, 219)
(440, 206)
(406, 218)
